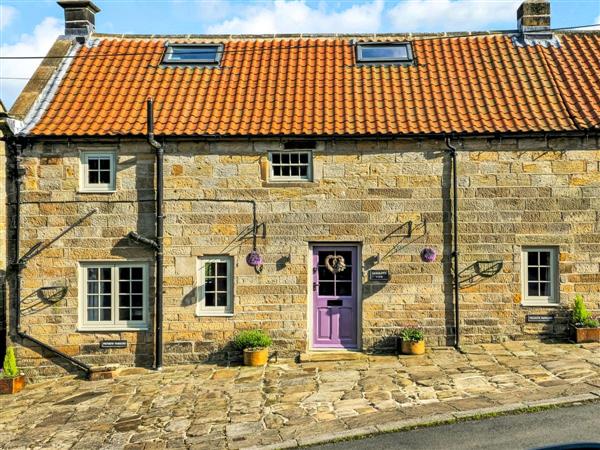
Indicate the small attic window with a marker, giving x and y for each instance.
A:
(380, 52)
(200, 54)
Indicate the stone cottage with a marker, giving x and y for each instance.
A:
(327, 189)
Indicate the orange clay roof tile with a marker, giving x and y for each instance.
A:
(308, 86)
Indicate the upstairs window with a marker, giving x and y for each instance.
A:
(193, 54)
(382, 52)
(98, 171)
(293, 165)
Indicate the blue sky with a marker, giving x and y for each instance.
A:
(28, 27)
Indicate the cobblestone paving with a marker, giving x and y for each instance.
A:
(209, 406)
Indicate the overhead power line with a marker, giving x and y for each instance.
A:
(280, 48)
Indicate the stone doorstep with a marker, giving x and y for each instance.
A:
(106, 372)
(114, 370)
(328, 356)
(400, 425)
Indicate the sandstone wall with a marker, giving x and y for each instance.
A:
(512, 193)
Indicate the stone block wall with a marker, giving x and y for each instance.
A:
(513, 193)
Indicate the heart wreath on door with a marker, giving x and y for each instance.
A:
(335, 263)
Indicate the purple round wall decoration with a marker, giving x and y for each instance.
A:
(254, 259)
(428, 254)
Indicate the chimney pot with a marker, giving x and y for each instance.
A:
(533, 19)
(80, 17)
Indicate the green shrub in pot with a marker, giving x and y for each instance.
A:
(254, 344)
(251, 339)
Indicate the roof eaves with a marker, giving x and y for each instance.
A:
(567, 131)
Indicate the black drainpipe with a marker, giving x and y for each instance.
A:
(158, 319)
(19, 263)
(452, 151)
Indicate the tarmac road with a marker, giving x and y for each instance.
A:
(522, 431)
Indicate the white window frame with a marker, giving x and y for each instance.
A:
(281, 178)
(549, 300)
(85, 185)
(115, 324)
(201, 308)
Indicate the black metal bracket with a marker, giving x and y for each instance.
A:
(40, 246)
(16, 267)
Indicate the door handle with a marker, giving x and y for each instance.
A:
(315, 286)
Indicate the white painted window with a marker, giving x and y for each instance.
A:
(114, 296)
(215, 285)
(540, 276)
(291, 165)
(98, 171)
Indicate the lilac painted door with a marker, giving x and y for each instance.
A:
(335, 311)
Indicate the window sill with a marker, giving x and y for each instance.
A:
(209, 314)
(81, 191)
(539, 305)
(286, 184)
(111, 329)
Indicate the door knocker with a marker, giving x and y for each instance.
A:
(335, 264)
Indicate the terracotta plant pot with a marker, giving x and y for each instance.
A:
(413, 347)
(12, 385)
(256, 356)
(581, 335)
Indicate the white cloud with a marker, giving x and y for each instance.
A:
(296, 16)
(213, 9)
(36, 44)
(205, 10)
(7, 14)
(447, 15)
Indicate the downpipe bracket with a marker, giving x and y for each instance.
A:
(136, 237)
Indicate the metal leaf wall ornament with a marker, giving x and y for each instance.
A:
(335, 263)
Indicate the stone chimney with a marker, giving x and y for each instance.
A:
(80, 17)
(533, 20)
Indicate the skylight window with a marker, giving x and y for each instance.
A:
(200, 54)
(379, 52)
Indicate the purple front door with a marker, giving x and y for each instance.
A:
(335, 285)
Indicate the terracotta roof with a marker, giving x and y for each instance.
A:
(313, 86)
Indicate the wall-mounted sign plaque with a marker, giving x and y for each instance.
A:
(538, 318)
(379, 275)
(113, 344)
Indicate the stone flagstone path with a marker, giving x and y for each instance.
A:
(208, 406)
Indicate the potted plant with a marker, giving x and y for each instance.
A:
(255, 345)
(412, 341)
(11, 379)
(583, 327)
